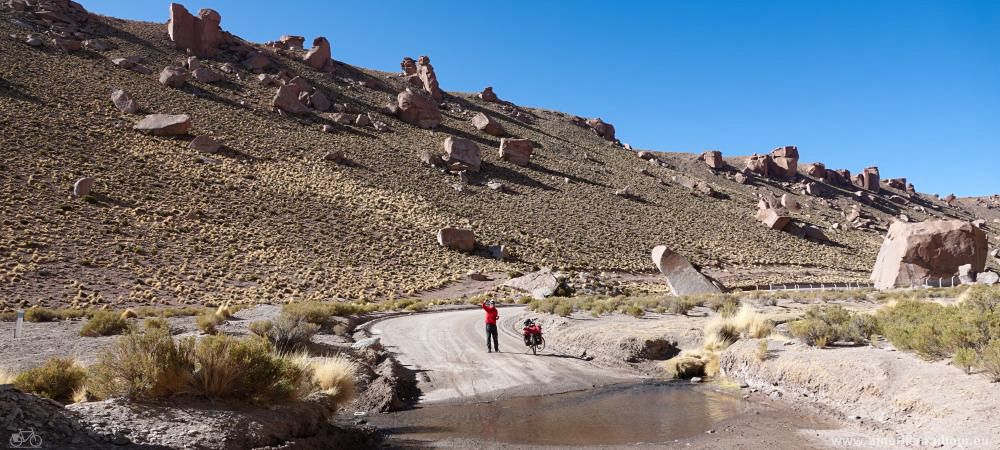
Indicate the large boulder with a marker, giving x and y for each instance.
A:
(870, 179)
(408, 66)
(417, 109)
(487, 125)
(457, 239)
(682, 277)
(540, 284)
(205, 75)
(516, 151)
(292, 42)
(200, 35)
(83, 186)
(838, 177)
(319, 54)
(602, 128)
(786, 161)
(762, 165)
(913, 252)
(461, 155)
(429, 79)
(164, 124)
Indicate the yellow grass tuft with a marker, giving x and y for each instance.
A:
(335, 376)
(7, 376)
(129, 314)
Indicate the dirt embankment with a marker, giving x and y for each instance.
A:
(900, 400)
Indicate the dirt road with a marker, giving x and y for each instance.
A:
(448, 350)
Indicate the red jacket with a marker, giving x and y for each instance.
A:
(491, 314)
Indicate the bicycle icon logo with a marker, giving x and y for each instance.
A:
(25, 439)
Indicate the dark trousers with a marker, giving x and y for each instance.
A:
(491, 332)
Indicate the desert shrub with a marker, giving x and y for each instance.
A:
(156, 322)
(227, 367)
(964, 358)
(142, 365)
(104, 323)
(826, 325)
(729, 309)
(635, 311)
(720, 333)
(751, 323)
(718, 302)
(40, 314)
(320, 313)
(692, 364)
(417, 306)
(207, 322)
(989, 360)
(289, 334)
(562, 309)
(129, 314)
(57, 379)
(680, 305)
(261, 327)
(335, 376)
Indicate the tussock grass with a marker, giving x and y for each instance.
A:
(104, 323)
(336, 377)
(721, 331)
(143, 365)
(208, 321)
(7, 376)
(691, 364)
(57, 379)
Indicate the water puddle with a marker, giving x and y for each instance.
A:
(651, 412)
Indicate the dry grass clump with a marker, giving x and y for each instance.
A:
(150, 365)
(336, 377)
(319, 313)
(691, 364)
(722, 330)
(104, 323)
(287, 334)
(208, 321)
(57, 379)
(636, 306)
(7, 376)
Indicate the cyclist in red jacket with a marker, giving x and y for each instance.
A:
(491, 325)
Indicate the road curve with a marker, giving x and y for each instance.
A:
(448, 352)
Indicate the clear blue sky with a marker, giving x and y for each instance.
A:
(912, 86)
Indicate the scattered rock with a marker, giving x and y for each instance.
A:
(173, 76)
(417, 109)
(287, 100)
(988, 278)
(83, 186)
(204, 144)
(499, 252)
(966, 275)
(457, 239)
(682, 277)
(164, 124)
(97, 45)
(292, 42)
(540, 284)
(762, 165)
(374, 343)
(623, 192)
(256, 62)
(123, 102)
(34, 40)
(979, 223)
(648, 156)
(912, 253)
(363, 120)
(789, 202)
(132, 65)
(816, 170)
(477, 276)
(461, 154)
(343, 118)
(319, 101)
(773, 218)
(336, 156)
(206, 75)
(487, 125)
(319, 54)
(516, 151)
(786, 161)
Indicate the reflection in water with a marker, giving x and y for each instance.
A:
(652, 412)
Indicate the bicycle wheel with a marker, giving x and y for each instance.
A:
(35, 441)
(542, 345)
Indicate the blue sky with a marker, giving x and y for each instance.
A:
(911, 86)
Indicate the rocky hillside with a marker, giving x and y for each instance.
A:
(302, 203)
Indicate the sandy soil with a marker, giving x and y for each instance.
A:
(448, 350)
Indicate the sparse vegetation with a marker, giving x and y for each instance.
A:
(104, 323)
(288, 334)
(143, 365)
(989, 360)
(57, 379)
(964, 358)
(762, 350)
(208, 321)
(7, 376)
(692, 364)
(336, 376)
(825, 325)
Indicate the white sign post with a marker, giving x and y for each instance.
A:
(19, 327)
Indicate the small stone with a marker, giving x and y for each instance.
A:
(204, 144)
(123, 102)
(173, 76)
(83, 186)
(336, 156)
(165, 124)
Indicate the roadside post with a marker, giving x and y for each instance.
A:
(19, 326)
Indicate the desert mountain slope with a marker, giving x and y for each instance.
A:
(267, 219)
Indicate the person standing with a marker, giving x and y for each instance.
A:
(491, 326)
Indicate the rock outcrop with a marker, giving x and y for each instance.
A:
(870, 179)
(319, 54)
(417, 109)
(408, 66)
(488, 95)
(786, 161)
(682, 277)
(762, 165)
(457, 239)
(429, 79)
(602, 128)
(815, 170)
(713, 159)
(913, 252)
(516, 151)
(201, 36)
